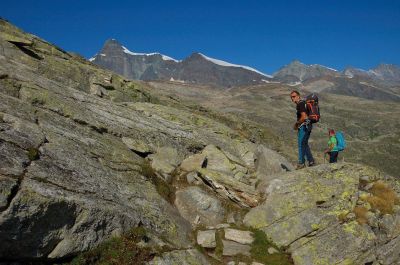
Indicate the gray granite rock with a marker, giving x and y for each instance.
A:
(232, 248)
(193, 201)
(206, 238)
(7, 187)
(239, 236)
(272, 250)
(307, 206)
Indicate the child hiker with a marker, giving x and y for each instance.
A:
(332, 147)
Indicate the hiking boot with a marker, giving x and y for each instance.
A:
(311, 164)
(300, 166)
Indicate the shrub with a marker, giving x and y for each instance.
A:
(361, 214)
(383, 198)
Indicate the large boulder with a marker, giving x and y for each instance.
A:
(199, 207)
(164, 161)
(229, 175)
(269, 162)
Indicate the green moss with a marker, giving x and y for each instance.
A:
(259, 250)
(218, 239)
(315, 226)
(348, 262)
(33, 154)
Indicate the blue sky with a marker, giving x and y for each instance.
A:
(262, 34)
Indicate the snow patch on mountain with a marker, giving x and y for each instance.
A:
(223, 63)
(329, 68)
(164, 57)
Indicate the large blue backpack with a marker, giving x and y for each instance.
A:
(341, 142)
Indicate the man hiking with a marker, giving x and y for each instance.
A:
(303, 127)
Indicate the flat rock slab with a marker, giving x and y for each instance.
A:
(165, 161)
(242, 237)
(206, 239)
(232, 248)
(192, 163)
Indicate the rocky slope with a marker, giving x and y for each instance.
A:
(265, 113)
(197, 68)
(87, 155)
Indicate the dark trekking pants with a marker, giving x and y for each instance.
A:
(303, 134)
(333, 156)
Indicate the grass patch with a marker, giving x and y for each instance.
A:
(219, 234)
(259, 251)
(383, 198)
(138, 94)
(119, 250)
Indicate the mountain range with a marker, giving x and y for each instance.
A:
(381, 82)
(197, 68)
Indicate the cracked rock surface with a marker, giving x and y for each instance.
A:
(305, 212)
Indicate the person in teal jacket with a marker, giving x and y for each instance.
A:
(332, 147)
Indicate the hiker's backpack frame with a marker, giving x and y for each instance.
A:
(312, 107)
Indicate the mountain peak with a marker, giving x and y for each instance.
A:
(112, 43)
(387, 71)
(297, 71)
(111, 46)
(296, 62)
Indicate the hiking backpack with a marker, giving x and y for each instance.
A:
(312, 107)
(341, 142)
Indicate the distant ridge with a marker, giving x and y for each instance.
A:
(196, 68)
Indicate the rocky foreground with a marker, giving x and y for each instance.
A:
(86, 155)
